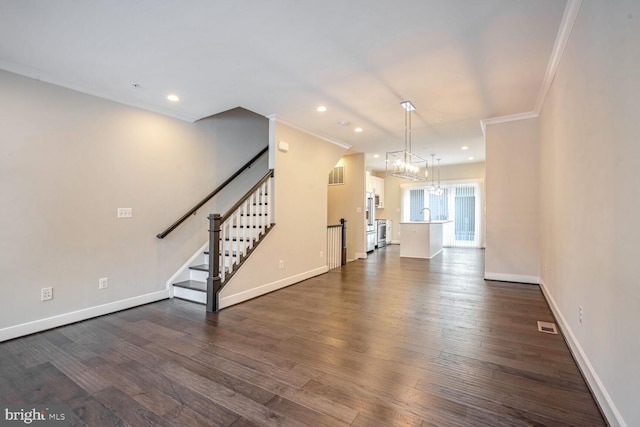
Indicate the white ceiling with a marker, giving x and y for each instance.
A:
(458, 61)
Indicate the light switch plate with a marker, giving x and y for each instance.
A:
(125, 212)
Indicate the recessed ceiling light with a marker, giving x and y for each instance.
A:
(358, 130)
(471, 158)
(464, 147)
(321, 109)
(375, 156)
(173, 98)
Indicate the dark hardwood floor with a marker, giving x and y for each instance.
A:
(385, 341)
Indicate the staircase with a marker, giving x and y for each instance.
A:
(236, 234)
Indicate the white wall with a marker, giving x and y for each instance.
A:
(512, 211)
(67, 162)
(475, 170)
(299, 238)
(590, 201)
(344, 201)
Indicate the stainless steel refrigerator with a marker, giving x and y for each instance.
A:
(370, 222)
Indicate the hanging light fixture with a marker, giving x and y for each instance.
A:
(433, 188)
(439, 189)
(405, 164)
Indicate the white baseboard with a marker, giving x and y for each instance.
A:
(230, 300)
(361, 255)
(64, 319)
(517, 278)
(598, 389)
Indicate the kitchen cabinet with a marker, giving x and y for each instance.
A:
(368, 182)
(421, 239)
(378, 188)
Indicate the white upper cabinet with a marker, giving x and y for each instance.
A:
(377, 184)
(369, 182)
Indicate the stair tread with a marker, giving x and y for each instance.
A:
(201, 267)
(195, 285)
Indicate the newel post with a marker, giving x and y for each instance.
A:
(213, 281)
(343, 260)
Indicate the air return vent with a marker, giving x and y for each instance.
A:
(547, 328)
(336, 177)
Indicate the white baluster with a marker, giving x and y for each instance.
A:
(252, 220)
(223, 238)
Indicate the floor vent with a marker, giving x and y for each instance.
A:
(547, 328)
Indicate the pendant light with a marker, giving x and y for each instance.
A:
(432, 187)
(439, 189)
(405, 164)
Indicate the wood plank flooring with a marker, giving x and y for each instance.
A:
(385, 341)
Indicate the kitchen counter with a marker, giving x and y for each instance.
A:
(421, 239)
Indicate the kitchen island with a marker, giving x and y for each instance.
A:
(421, 239)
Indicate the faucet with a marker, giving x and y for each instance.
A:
(426, 209)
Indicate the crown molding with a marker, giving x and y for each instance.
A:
(286, 122)
(509, 118)
(564, 31)
(566, 26)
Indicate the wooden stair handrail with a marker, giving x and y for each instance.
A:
(193, 210)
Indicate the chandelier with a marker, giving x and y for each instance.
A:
(405, 164)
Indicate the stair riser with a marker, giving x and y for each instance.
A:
(190, 295)
(198, 275)
(231, 249)
(202, 276)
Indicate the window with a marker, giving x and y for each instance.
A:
(439, 205)
(458, 203)
(465, 217)
(417, 204)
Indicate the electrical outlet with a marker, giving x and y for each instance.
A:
(103, 283)
(46, 294)
(125, 212)
(321, 254)
(580, 313)
(281, 264)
